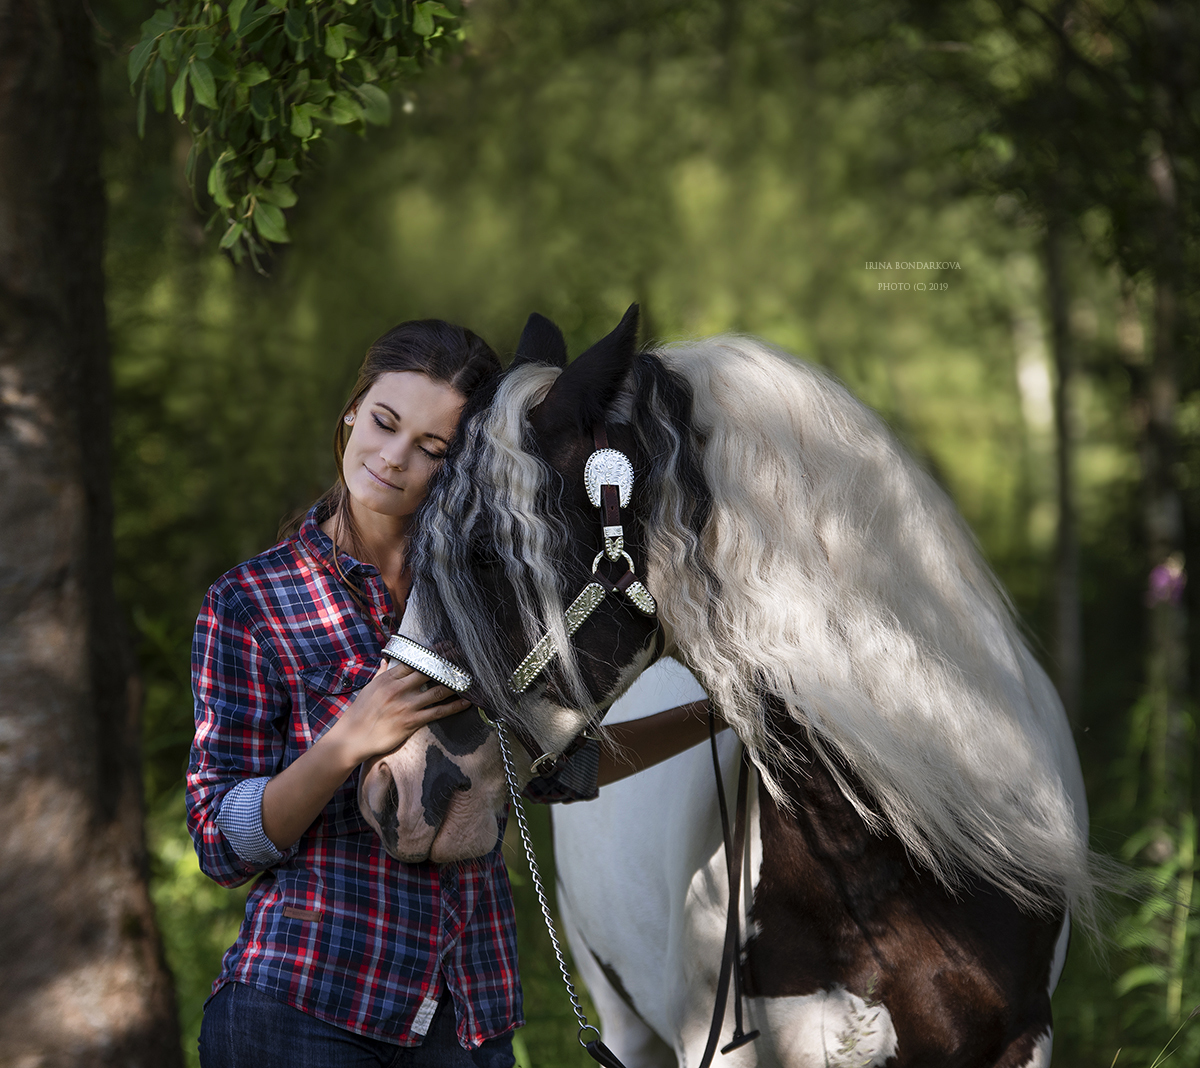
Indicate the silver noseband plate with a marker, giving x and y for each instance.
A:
(427, 662)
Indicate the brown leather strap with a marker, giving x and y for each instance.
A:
(735, 844)
(610, 501)
(600, 436)
(620, 586)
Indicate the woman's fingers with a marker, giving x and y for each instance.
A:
(446, 708)
(393, 669)
(396, 702)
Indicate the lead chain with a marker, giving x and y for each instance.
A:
(537, 884)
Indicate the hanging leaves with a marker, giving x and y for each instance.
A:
(259, 81)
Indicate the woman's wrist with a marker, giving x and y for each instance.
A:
(338, 746)
(642, 743)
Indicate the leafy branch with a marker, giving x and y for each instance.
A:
(258, 83)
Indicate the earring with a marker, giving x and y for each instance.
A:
(349, 420)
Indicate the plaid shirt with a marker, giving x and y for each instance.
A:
(334, 926)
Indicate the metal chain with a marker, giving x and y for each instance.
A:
(515, 793)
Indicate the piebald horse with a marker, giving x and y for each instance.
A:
(917, 831)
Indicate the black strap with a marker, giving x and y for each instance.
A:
(600, 1053)
(730, 969)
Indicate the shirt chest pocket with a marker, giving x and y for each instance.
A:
(329, 688)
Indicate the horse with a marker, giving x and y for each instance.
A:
(917, 827)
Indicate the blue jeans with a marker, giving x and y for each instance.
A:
(244, 1028)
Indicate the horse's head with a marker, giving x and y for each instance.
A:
(517, 579)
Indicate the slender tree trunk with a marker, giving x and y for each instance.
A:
(82, 981)
(1068, 625)
(1167, 653)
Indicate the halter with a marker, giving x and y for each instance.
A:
(608, 478)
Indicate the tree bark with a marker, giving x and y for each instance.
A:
(83, 982)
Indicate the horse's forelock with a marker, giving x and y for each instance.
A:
(496, 496)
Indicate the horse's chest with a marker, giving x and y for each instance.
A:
(840, 913)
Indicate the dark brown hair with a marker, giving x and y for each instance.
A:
(446, 353)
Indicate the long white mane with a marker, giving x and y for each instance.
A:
(849, 587)
(827, 570)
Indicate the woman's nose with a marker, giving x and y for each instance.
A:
(396, 455)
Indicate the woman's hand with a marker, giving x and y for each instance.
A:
(393, 706)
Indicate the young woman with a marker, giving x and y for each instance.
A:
(347, 956)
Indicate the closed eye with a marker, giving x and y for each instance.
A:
(391, 430)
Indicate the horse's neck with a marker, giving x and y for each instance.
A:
(815, 805)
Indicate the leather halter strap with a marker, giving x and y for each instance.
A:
(626, 584)
(735, 844)
(608, 496)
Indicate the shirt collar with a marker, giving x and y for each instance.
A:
(319, 545)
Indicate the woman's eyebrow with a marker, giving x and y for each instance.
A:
(396, 415)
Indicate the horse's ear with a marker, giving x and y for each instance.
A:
(541, 342)
(584, 392)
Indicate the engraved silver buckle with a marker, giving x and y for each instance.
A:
(608, 467)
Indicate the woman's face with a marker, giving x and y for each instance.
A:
(402, 427)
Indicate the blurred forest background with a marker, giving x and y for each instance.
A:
(732, 166)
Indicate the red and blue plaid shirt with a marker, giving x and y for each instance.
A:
(334, 926)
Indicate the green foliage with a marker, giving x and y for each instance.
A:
(259, 82)
(198, 919)
(732, 167)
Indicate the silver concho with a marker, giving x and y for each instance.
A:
(608, 467)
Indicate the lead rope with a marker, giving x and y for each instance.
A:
(596, 1048)
(735, 843)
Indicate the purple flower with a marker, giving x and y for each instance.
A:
(1167, 581)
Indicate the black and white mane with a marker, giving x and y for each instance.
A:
(796, 552)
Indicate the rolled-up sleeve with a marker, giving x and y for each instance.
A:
(242, 712)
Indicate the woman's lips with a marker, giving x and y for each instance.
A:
(381, 480)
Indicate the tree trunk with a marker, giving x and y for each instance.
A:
(1167, 653)
(1068, 626)
(82, 981)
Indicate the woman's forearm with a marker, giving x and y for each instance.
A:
(295, 797)
(385, 713)
(642, 743)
